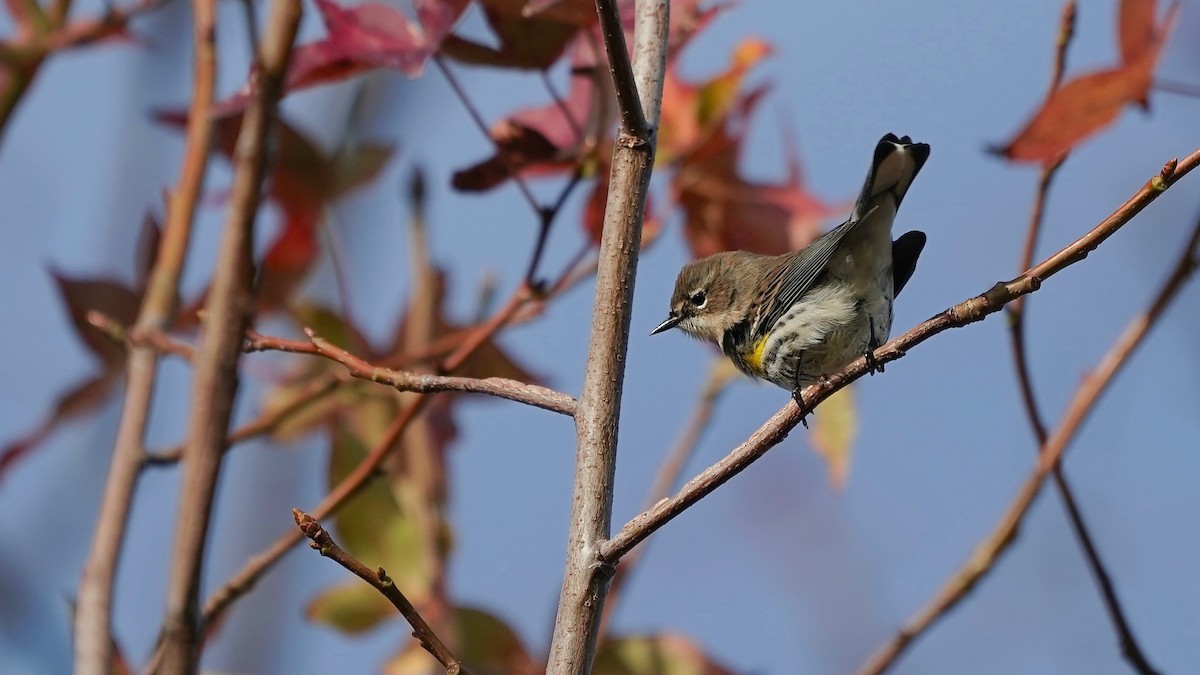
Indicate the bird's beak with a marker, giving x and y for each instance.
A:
(670, 323)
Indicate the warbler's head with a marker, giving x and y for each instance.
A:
(712, 295)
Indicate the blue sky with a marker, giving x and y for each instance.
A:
(776, 572)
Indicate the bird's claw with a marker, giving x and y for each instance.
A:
(805, 411)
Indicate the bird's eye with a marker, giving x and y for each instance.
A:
(698, 299)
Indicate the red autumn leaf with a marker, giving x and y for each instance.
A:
(547, 139)
(518, 148)
(692, 111)
(542, 140)
(1088, 103)
(526, 40)
(361, 38)
(109, 298)
(76, 401)
(303, 179)
(1135, 28)
(81, 297)
(723, 210)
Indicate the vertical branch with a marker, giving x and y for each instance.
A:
(585, 582)
(93, 616)
(229, 308)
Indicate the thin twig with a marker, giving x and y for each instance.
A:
(266, 423)
(245, 579)
(576, 127)
(965, 313)
(93, 638)
(668, 475)
(214, 388)
(585, 584)
(513, 390)
(378, 578)
(1087, 395)
(151, 338)
(546, 218)
(1017, 315)
(477, 117)
(633, 120)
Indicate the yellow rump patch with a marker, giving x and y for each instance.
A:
(754, 357)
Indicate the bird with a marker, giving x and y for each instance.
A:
(794, 319)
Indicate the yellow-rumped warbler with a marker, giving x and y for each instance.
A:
(795, 318)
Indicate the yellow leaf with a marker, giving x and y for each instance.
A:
(835, 425)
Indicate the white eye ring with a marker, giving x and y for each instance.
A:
(699, 299)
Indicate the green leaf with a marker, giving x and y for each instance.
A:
(486, 645)
(351, 607)
(663, 654)
(372, 527)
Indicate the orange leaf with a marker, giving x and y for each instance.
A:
(1091, 102)
(1135, 28)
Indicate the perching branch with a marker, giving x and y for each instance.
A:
(585, 584)
(1086, 396)
(93, 612)
(965, 313)
(322, 542)
(214, 388)
(529, 394)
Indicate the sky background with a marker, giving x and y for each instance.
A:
(774, 573)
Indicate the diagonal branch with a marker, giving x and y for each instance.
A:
(1017, 316)
(1087, 395)
(669, 471)
(513, 390)
(254, 569)
(965, 313)
(216, 378)
(581, 601)
(323, 543)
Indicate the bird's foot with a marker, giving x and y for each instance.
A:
(805, 411)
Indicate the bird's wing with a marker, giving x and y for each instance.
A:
(797, 273)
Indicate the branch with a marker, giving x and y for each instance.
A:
(322, 542)
(625, 83)
(596, 420)
(264, 424)
(1082, 403)
(245, 579)
(214, 388)
(93, 616)
(513, 390)
(1016, 312)
(967, 312)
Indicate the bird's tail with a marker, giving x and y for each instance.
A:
(896, 163)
